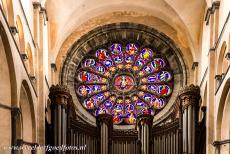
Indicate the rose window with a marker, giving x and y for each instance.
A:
(124, 81)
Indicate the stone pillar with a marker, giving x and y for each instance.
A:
(144, 123)
(105, 125)
(59, 96)
(189, 97)
(15, 112)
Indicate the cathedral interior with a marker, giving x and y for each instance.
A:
(115, 77)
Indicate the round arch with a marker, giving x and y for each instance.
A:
(222, 114)
(8, 86)
(26, 121)
(102, 35)
(8, 11)
(20, 38)
(221, 59)
(30, 63)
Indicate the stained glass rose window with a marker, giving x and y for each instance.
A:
(124, 81)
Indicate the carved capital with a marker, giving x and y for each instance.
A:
(105, 118)
(15, 112)
(189, 95)
(145, 119)
(59, 94)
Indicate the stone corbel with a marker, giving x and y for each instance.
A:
(53, 66)
(211, 10)
(13, 30)
(227, 56)
(24, 56)
(194, 65)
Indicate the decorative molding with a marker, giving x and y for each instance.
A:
(219, 143)
(59, 94)
(189, 95)
(145, 119)
(13, 30)
(218, 77)
(227, 56)
(194, 65)
(53, 66)
(125, 134)
(211, 10)
(44, 12)
(36, 5)
(32, 77)
(24, 56)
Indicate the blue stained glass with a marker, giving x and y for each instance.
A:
(158, 63)
(116, 48)
(146, 54)
(140, 63)
(108, 104)
(100, 69)
(89, 103)
(124, 82)
(90, 63)
(129, 108)
(152, 78)
(96, 88)
(118, 59)
(84, 90)
(100, 97)
(102, 54)
(108, 63)
(100, 110)
(147, 97)
(129, 59)
(148, 70)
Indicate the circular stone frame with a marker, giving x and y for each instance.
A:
(123, 33)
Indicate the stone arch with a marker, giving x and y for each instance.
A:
(8, 10)
(8, 96)
(26, 121)
(20, 38)
(221, 59)
(223, 109)
(102, 35)
(30, 63)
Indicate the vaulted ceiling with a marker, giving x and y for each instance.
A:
(179, 19)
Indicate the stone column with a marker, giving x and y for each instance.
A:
(105, 125)
(189, 97)
(144, 123)
(59, 96)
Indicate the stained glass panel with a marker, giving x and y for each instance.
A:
(124, 81)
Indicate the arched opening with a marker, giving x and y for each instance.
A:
(221, 68)
(8, 96)
(20, 37)
(26, 129)
(8, 10)
(29, 64)
(223, 112)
